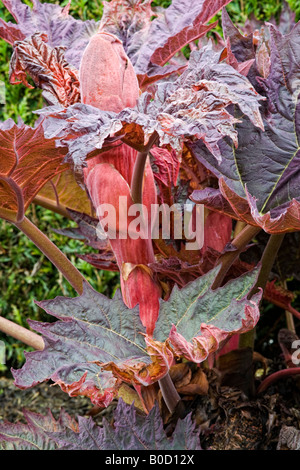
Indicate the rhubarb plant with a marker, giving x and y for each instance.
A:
(133, 131)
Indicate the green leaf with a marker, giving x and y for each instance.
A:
(93, 336)
(202, 319)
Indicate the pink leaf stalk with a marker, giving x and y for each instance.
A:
(108, 82)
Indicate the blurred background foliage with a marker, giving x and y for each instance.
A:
(25, 274)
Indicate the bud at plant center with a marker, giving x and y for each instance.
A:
(107, 77)
(108, 82)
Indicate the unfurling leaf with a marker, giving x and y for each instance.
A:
(27, 162)
(48, 69)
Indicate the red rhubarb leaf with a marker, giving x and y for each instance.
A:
(27, 162)
(48, 69)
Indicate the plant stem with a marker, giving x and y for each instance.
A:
(137, 178)
(267, 261)
(276, 376)
(168, 390)
(239, 242)
(70, 273)
(138, 171)
(51, 205)
(170, 395)
(295, 313)
(239, 227)
(22, 334)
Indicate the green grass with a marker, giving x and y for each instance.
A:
(25, 274)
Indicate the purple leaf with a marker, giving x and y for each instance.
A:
(87, 232)
(130, 431)
(36, 433)
(192, 107)
(241, 46)
(260, 180)
(93, 335)
(182, 22)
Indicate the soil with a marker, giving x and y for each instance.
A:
(229, 420)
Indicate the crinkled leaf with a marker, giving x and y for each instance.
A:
(84, 127)
(278, 295)
(201, 319)
(36, 433)
(130, 431)
(61, 28)
(260, 180)
(195, 105)
(48, 69)
(27, 162)
(128, 20)
(93, 333)
(192, 107)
